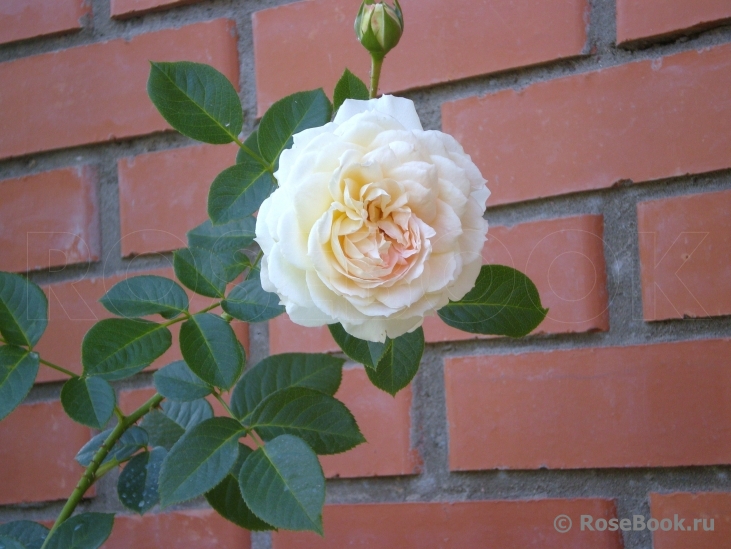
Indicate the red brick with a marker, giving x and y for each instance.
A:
(202, 529)
(661, 405)
(50, 219)
(131, 399)
(312, 42)
(20, 20)
(29, 472)
(73, 308)
(654, 18)
(385, 422)
(564, 257)
(162, 195)
(520, 524)
(708, 506)
(640, 121)
(97, 93)
(121, 9)
(684, 251)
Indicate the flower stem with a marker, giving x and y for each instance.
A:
(182, 318)
(376, 64)
(49, 364)
(254, 264)
(90, 474)
(219, 398)
(57, 368)
(256, 156)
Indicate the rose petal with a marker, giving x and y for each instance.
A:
(400, 108)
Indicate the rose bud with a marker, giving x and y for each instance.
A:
(379, 26)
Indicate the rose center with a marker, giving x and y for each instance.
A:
(376, 231)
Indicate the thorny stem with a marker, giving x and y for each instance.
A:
(93, 471)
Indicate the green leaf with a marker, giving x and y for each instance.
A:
(18, 370)
(320, 372)
(227, 501)
(364, 352)
(399, 364)
(89, 401)
(503, 302)
(166, 425)
(116, 348)
(10, 543)
(228, 238)
(23, 310)
(200, 460)
(200, 270)
(177, 382)
(196, 100)
(349, 87)
(146, 295)
(249, 302)
(289, 116)
(210, 348)
(238, 191)
(227, 243)
(252, 143)
(319, 419)
(30, 534)
(137, 486)
(283, 484)
(85, 531)
(132, 439)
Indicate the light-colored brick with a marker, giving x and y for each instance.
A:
(24, 19)
(443, 42)
(385, 422)
(38, 443)
(640, 121)
(685, 245)
(457, 525)
(50, 219)
(203, 529)
(661, 405)
(162, 195)
(643, 19)
(702, 507)
(122, 9)
(98, 93)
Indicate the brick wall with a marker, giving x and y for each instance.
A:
(604, 129)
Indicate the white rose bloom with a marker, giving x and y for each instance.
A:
(376, 223)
